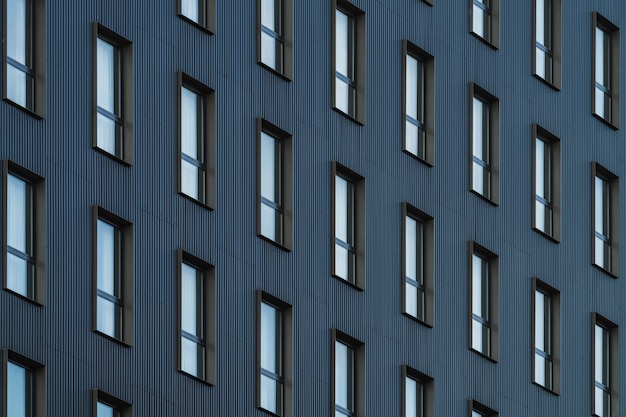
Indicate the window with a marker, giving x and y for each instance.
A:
(349, 61)
(24, 237)
(274, 215)
(275, 38)
(485, 21)
(547, 184)
(419, 103)
(200, 13)
(418, 394)
(196, 141)
(606, 71)
(606, 220)
(483, 302)
(484, 142)
(348, 255)
(108, 406)
(24, 82)
(197, 318)
(24, 384)
(547, 41)
(605, 350)
(418, 264)
(479, 410)
(113, 265)
(348, 376)
(274, 355)
(547, 336)
(114, 95)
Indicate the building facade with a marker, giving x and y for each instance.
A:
(311, 208)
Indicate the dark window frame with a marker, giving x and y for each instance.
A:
(208, 22)
(428, 390)
(285, 37)
(122, 408)
(601, 172)
(614, 390)
(38, 374)
(493, 11)
(481, 408)
(600, 22)
(555, 333)
(554, 143)
(555, 51)
(38, 194)
(358, 371)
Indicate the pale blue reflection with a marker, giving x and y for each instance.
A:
(106, 133)
(343, 96)
(268, 15)
(476, 414)
(269, 336)
(105, 410)
(271, 394)
(189, 123)
(18, 232)
(479, 21)
(342, 44)
(477, 286)
(601, 355)
(189, 9)
(540, 169)
(189, 181)
(342, 262)
(190, 310)
(268, 168)
(602, 201)
(17, 28)
(270, 49)
(18, 390)
(19, 86)
(411, 253)
(106, 262)
(540, 63)
(601, 41)
(411, 86)
(270, 222)
(341, 208)
(410, 405)
(412, 138)
(192, 357)
(106, 76)
(108, 317)
(540, 370)
(540, 321)
(541, 21)
(18, 273)
(602, 403)
(344, 376)
(478, 134)
(602, 103)
(411, 303)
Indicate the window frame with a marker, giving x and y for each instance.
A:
(286, 171)
(428, 286)
(476, 92)
(122, 408)
(286, 38)
(556, 51)
(38, 374)
(614, 390)
(492, 261)
(208, 127)
(359, 249)
(358, 371)
(601, 172)
(481, 409)
(428, 80)
(208, 316)
(127, 278)
(37, 33)
(554, 143)
(494, 28)
(538, 285)
(603, 24)
(359, 58)
(209, 24)
(286, 348)
(38, 195)
(126, 92)
(428, 391)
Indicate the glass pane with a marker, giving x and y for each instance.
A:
(601, 39)
(19, 391)
(192, 357)
(107, 259)
(480, 287)
(602, 403)
(192, 308)
(601, 355)
(271, 395)
(190, 178)
(411, 303)
(270, 168)
(411, 404)
(540, 370)
(190, 125)
(107, 68)
(20, 276)
(19, 215)
(540, 321)
(271, 52)
(480, 337)
(344, 263)
(481, 179)
(109, 317)
(480, 130)
(20, 87)
(411, 86)
(411, 249)
(601, 203)
(540, 168)
(343, 210)
(108, 134)
(541, 21)
(17, 31)
(344, 96)
(476, 414)
(271, 339)
(268, 15)
(189, 8)
(105, 410)
(481, 23)
(413, 139)
(344, 377)
(271, 223)
(343, 46)
(543, 217)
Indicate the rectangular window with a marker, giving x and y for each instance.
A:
(349, 61)
(606, 382)
(275, 36)
(485, 21)
(348, 254)
(24, 239)
(418, 393)
(24, 384)
(274, 185)
(547, 39)
(274, 347)
(546, 336)
(197, 318)
(349, 376)
(547, 189)
(483, 301)
(201, 13)
(196, 141)
(106, 405)
(479, 410)
(606, 219)
(25, 54)
(484, 142)
(418, 264)
(419, 71)
(606, 71)
(113, 91)
(114, 276)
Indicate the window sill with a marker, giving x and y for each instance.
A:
(197, 25)
(348, 283)
(606, 122)
(188, 375)
(485, 41)
(275, 72)
(418, 158)
(546, 82)
(198, 202)
(349, 117)
(606, 271)
(429, 2)
(547, 236)
(25, 298)
(271, 413)
(273, 242)
(111, 338)
(482, 197)
(113, 157)
(546, 389)
(417, 320)
(24, 109)
(479, 353)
